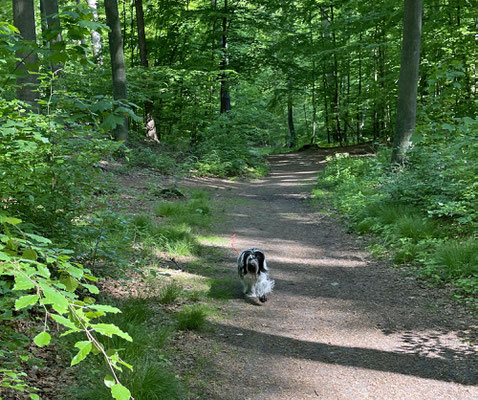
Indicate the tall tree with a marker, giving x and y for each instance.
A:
(117, 62)
(408, 81)
(151, 131)
(24, 20)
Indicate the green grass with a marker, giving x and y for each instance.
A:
(169, 293)
(152, 377)
(192, 318)
(457, 260)
(416, 227)
(196, 211)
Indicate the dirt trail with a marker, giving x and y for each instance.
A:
(339, 324)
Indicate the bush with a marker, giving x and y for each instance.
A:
(417, 209)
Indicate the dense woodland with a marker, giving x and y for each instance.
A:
(209, 87)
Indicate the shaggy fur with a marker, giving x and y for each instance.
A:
(254, 274)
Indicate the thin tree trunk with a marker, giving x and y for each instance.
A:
(326, 109)
(335, 104)
(408, 80)
(359, 94)
(95, 36)
(225, 95)
(151, 131)
(53, 22)
(24, 20)
(314, 107)
(290, 117)
(117, 62)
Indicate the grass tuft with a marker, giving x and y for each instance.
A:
(192, 318)
(457, 260)
(170, 293)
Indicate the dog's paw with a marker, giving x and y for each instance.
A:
(263, 299)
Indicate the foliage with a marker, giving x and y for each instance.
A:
(151, 377)
(40, 279)
(426, 213)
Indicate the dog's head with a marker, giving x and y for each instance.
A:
(253, 261)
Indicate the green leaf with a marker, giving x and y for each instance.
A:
(30, 254)
(91, 288)
(34, 396)
(12, 221)
(39, 239)
(64, 321)
(119, 392)
(85, 348)
(110, 330)
(55, 298)
(109, 381)
(23, 283)
(91, 278)
(74, 271)
(4, 257)
(42, 339)
(70, 283)
(105, 308)
(25, 301)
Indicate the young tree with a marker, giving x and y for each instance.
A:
(24, 20)
(117, 62)
(408, 81)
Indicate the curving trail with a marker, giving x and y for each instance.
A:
(339, 324)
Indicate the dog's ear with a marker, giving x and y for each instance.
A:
(262, 260)
(242, 261)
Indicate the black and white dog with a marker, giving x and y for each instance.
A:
(254, 275)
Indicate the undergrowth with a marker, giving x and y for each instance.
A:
(423, 215)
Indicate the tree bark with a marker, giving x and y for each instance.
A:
(151, 131)
(53, 23)
(24, 20)
(117, 62)
(408, 80)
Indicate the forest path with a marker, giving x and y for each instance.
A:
(339, 324)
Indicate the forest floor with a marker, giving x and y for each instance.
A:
(339, 324)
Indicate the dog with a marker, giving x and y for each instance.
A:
(254, 274)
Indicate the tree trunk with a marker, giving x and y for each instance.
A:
(314, 107)
(53, 23)
(151, 131)
(408, 81)
(117, 62)
(225, 96)
(24, 20)
(95, 36)
(290, 117)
